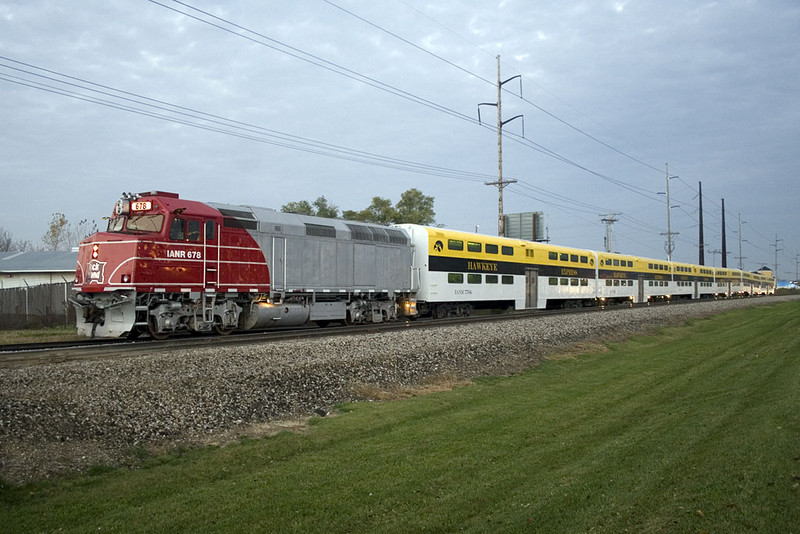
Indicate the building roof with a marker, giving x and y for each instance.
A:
(38, 262)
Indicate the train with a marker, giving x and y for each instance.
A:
(166, 265)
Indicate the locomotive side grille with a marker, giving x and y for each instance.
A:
(237, 213)
(228, 222)
(360, 233)
(320, 230)
(377, 235)
(397, 236)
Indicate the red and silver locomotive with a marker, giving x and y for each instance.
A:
(166, 264)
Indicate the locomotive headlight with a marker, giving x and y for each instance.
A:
(95, 251)
(126, 279)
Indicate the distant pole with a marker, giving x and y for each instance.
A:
(609, 219)
(670, 246)
(776, 255)
(500, 183)
(724, 245)
(741, 258)
(702, 257)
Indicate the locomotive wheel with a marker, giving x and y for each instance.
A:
(440, 312)
(223, 331)
(152, 328)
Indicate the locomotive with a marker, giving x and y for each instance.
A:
(166, 265)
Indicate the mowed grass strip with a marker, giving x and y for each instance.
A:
(696, 429)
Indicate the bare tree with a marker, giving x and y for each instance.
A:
(5, 240)
(9, 244)
(79, 232)
(57, 235)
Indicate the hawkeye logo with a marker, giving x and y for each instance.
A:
(95, 271)
(482, 266)
(438, 246)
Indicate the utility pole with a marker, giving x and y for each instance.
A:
(714, 256)
(702, 254)
(500, 183)
(776, 255)
(609, 219)
(670, 246)
(724, 240)
(741, 268)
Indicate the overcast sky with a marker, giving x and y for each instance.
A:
(263, 103)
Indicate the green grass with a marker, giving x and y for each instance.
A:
(693, 430)
(39, 335)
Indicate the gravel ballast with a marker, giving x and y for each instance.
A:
(61, 418)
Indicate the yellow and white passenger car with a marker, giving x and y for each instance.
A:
(456, 272)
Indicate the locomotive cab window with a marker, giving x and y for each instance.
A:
(455, 278)
(455, 244)
(473, 246)
(176, 230)
(507, 251)
(116, 224)
(491, 249)
(552, 255)
(193, 230)
(145, 223)
(210, 229)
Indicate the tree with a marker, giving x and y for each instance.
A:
(380, 211)
(81, 231)
(324, 210)
(57, 235)
(9, 244)
(5, 240)
(415, 208)
(300, 208)
(319, 207)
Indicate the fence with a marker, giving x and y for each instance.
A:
(36, 306)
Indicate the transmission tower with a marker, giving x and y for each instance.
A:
(609, 219)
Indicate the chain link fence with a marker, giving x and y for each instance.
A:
(36, 306)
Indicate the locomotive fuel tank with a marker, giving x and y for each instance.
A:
(268, 315)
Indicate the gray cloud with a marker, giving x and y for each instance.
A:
(708, 87)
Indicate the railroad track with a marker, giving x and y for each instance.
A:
(26, 354)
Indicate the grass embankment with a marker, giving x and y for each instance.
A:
(696, 429)
(39, 335)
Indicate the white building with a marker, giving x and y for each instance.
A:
(26, 269)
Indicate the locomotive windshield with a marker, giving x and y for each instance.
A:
(136, 223)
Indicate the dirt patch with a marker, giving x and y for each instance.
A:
(371, 392)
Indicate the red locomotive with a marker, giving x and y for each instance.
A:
(166, 264)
